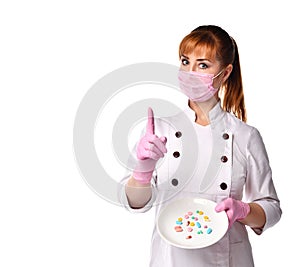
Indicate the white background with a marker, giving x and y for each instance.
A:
(52, 52)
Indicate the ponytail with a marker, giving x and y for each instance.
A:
(233, 94)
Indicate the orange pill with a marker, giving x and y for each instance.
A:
(178, 228)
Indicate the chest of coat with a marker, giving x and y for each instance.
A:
(182, 170)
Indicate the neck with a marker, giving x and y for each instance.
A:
(202, 109)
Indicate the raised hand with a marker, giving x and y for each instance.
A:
(149, 150)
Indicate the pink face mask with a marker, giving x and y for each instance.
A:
(197, 86)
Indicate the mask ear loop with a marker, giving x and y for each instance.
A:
(217, 76)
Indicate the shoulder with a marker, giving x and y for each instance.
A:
(239, 127)
(244, 135)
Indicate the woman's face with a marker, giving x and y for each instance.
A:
(203, 64)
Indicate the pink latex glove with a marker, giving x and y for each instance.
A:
(149, 150)
(235, 209)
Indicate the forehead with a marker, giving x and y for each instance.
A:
(192, 44)
(199, 52)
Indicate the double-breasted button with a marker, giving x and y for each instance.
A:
(178, 134)
(224, 159)
(225, 136)
(176, 154)
(223, 186)
(174, 182)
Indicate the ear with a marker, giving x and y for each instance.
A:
(227, 72)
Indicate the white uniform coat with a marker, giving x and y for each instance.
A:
(238, 168)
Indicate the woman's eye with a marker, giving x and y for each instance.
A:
(202, 66)
(184, 61)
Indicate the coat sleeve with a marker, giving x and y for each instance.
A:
(122, 185)
(124, 200)
(259, 186)
(161, 129)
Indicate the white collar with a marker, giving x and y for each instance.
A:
(215, 114)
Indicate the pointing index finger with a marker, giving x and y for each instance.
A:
(150, 124)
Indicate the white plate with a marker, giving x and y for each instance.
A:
(199, 237)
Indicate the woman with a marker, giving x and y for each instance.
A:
(232, 166)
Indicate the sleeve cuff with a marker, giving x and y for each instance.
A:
(273, 214)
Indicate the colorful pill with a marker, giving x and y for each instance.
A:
(200, 212)
(189, 229)
(178, 228)
(190, 213)
(209, 230)
(186, 216)
(179, 222)
(189, 237)
(192, 224)
(179, 219)
(187, 223)
(198, 224)
(206, 218)
(200, 232)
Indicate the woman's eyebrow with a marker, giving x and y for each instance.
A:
(198, 59)
(202, 59)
